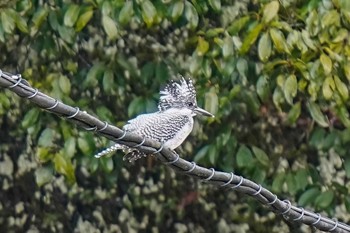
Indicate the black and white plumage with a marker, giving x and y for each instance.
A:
(171, 124)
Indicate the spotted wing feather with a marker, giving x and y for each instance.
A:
(171, 128)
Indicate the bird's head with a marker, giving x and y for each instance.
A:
(180, 95)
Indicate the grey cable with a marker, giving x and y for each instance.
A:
(88, 122)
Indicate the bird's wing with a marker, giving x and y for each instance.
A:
(138, 122)
(158, 126)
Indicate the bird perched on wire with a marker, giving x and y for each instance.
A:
(170, 125)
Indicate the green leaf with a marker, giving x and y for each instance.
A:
(227, 48)
(259, 175)
(330, 141)
(326, 64)
(317, 138)
(279, 41)
(252, 102)
(53, 20)
(308, 196)
(107, 164)
(149, 12)
(177, 10)
(46, 138)
(64, 84)
(30, 118)
(93, 165)
(237, 25)
(149, 105)
(251, 38)
(43, 154)
(341, 87)
(83, 145)
(84, 19)
(291, 183)
(347, 203)
(307, 40)
(191, 15)
(215, 33)
(21, 24)
(313, 89)
(211, 101)
(202, 46)
(196, 63)
(270, 11)
(225, 137)
(69, 148)
(162, 72)
(108, 81)
(278, 98)
(8, 22)
(43, 175)
(2, 33)
(106, 8)
(39, 17)
(330, 18)
(215, 4)
(64, 166)
(212, 154)
(263, 88)
(244, 157)
(301, 178)
(341, 36)
(280, 80)
(294, 113)
(264, 47)
(345, 5)
(242, 67)
(110, 27)
(126, 13)
(127, 65)
(328, 87)
(277, 184)
(346, 68)
(135, 106)
(228, 66)
(316, 114)
(93, 75)
(290, 88)
(206, 68)
(202, 154)
(104, 113)
(5, 104)
(66, 33)
(324, 200)
(71, 15)
(261, 156)
(343, 115)
(147, 71)
(347, 167)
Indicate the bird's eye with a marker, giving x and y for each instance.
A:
(189, 104)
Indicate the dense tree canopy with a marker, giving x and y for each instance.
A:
(275, 74)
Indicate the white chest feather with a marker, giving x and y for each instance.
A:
(172, 126)
(180, 136)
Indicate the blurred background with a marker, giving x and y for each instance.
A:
(275, 74)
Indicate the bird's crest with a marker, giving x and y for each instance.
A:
(177, 95)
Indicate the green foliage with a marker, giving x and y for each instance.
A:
(275, 74)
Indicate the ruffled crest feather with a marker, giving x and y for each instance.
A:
(177, 95)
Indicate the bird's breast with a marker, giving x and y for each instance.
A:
(180, 135)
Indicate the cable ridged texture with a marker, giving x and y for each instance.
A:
(223, 179)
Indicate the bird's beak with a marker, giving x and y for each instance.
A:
(203, 112)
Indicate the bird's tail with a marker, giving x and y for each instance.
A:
(111, 149)
(131, 154)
